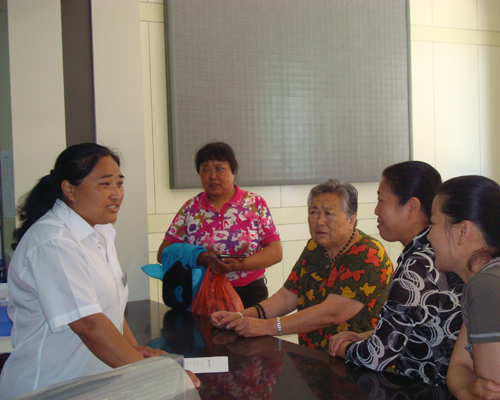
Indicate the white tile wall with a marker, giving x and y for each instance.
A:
(489, 115)
(456, 109)
(488, 15)
(455, 14)
(422, 65)
(421, 12)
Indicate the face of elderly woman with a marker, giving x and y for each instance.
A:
(98, 197)
(329, 224)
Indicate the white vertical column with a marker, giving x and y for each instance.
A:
(37, 92)
(120, 124)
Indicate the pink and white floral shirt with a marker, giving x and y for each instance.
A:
(243, 226)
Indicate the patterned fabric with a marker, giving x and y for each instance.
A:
(243, 226)
(480, 306)
(420, 322)
(362, 273)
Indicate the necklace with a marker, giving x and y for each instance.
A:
(332, 260)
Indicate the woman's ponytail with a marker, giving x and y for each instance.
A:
(35, 204)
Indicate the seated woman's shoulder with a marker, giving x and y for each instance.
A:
(369, 242)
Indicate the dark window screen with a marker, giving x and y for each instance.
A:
(303, 90)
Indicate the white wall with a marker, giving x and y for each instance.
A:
(455, 51)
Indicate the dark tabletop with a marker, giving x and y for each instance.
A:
(267, 367)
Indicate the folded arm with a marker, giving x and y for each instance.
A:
(469, 379)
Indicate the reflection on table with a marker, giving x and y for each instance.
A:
(270, 368)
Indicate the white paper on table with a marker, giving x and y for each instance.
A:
(200, 365)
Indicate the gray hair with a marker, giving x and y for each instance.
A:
(346, 191)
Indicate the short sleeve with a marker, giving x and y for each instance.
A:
(267, 230)
(483, 295)
(63, 283)
(177, 231)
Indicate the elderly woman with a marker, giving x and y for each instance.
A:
(465, 234)
(67, 290)
(421, 319)
(340, 281)
(225, 219)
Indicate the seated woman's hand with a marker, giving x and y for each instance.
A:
(337, 340)
(220, 319)
(252, 327)
(480, 389)
(147, 352)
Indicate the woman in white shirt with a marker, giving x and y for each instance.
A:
(67, 290)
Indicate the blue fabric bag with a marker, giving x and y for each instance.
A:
(180, 274)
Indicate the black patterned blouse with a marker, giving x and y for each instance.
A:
(420, 321)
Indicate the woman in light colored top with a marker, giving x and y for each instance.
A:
(339, 282)
(421, 319)
(67, 290)
(466, 237)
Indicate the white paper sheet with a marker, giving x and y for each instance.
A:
(201, 365)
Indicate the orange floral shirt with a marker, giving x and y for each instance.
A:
(363, 273)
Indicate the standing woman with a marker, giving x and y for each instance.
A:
(421, 318)
(466, 237)
(225, 219)
(67, 290)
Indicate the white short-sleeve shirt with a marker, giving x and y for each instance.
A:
(62, 270)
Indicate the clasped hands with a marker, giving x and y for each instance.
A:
(246, 326)
(217, 265)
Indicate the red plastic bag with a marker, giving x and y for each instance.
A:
(215, 294)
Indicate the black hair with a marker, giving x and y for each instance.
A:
(414, 179)
(218, 151)
(73, 165)
(477, 199)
